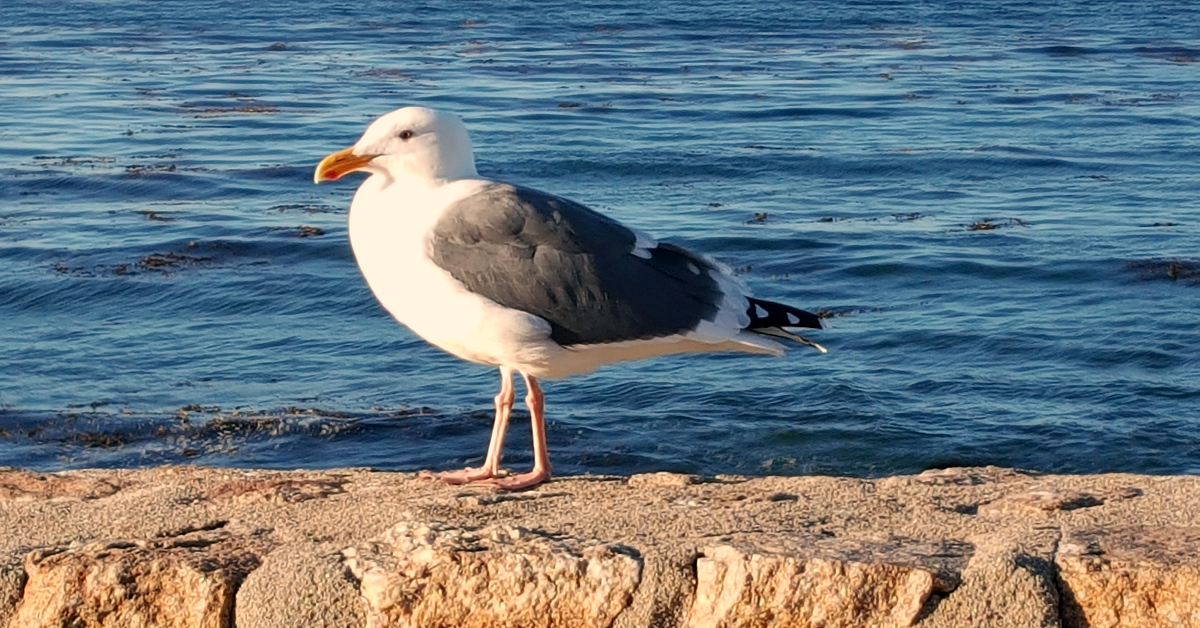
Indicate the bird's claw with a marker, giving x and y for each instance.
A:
(518, 482)
(481, 476)
(470, 475)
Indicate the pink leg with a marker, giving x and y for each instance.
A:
(491, 465)
(504, 405)
(541, 453)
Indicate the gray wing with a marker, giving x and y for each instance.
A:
(572, 266)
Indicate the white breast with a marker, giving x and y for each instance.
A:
(389, 226)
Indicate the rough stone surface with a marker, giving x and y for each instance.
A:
(18, 484)
(956, 476)
(1130, 576)
(1008, 583)
(663, 478)
(986, 547)
(187, 581)
(668, 584)
(276, 490)
(1039, 502)
(430, 575)
(302, 585)
(12, 583)
(821, 582)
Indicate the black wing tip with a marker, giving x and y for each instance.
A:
(770, 314)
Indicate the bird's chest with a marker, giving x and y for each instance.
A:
(390, 246)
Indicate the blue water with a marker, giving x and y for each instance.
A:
(995, 203)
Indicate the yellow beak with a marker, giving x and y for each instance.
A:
(340, 164)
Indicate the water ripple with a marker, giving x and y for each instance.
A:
(993, 205)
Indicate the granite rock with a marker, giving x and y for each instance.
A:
(951, 548)
(431, 575)
(22, 485)
(184, 581)
(1008, 583)
(820, 582)
(301, 585)
(12, 584)
(1130, 577)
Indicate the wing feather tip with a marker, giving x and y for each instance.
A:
(783, 333)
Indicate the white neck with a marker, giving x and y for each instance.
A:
(414, 175)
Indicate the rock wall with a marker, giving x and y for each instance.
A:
(213, 548)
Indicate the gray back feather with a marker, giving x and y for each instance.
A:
(572, 266)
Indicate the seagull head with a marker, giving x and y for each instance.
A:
(413, 143)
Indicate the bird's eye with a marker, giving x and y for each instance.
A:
(405, 134)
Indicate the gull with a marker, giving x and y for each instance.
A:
(526, 281)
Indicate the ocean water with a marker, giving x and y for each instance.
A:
(994, 203)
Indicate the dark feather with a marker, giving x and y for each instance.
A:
(571, 266)
(777, 315)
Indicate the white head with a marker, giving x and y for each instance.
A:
(413, 143)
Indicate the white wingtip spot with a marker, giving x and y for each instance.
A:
(759, 311)
(793, 319)
(642, 243)
(694, 268)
